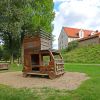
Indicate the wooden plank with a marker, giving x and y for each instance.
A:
(36, 73)
(60, 73)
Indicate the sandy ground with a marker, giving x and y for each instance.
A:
(69, 81)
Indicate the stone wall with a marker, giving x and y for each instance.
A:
(89, 41)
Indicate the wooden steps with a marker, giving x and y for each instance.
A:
(36, 73)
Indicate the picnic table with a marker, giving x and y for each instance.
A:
(4, 66)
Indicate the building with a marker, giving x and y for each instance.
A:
(93, 39)
(68, 34)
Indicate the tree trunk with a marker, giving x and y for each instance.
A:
(22, 55)
(18, 60)
(12, 59)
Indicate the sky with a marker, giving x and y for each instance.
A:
(84, 14)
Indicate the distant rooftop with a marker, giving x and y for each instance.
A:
(73, 32)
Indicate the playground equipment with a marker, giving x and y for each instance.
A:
(39, 58)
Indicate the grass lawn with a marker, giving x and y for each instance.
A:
(89, 90)
(13, 67)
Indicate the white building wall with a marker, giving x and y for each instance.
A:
(71, 39)
(63, 40)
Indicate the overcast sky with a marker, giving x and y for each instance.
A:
(76, 13)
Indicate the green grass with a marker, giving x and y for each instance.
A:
(88, 54)
(13, 67)
(9, 93)
(88, 90)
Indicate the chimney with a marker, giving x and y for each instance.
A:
(96, 31)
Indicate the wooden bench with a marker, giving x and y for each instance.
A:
(4, 66)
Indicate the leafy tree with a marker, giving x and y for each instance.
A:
(21, 17)
(1, 52)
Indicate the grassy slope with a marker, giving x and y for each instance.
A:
(90, 54)
(89, 90)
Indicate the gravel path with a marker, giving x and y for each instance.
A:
(69, 81)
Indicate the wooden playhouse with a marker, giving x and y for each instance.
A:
(39, 58)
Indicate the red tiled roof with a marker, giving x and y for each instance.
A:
(87, 33)
(89, 37)
(73, 32)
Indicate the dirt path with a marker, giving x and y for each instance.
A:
(69, 81)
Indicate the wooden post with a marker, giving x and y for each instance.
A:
(40, 58)
(22, 54)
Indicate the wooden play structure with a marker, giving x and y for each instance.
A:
(39, 58)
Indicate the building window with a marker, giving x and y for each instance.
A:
(81, 34)
(92, 33)
(77, 34)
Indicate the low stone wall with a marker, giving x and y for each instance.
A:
(89, 41)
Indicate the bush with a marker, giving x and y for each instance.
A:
(72, 45)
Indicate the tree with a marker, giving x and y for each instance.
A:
(11, 46)
(72, 45)
(1, 52)
(21, 17)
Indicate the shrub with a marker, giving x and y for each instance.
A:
(72, 45)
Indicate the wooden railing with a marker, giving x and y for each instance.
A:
(60, 61)
(59, 66)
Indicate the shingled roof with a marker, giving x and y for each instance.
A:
(90, 37)
(74, 32)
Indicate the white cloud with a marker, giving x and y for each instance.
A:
(60, 0)
(76, 13)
